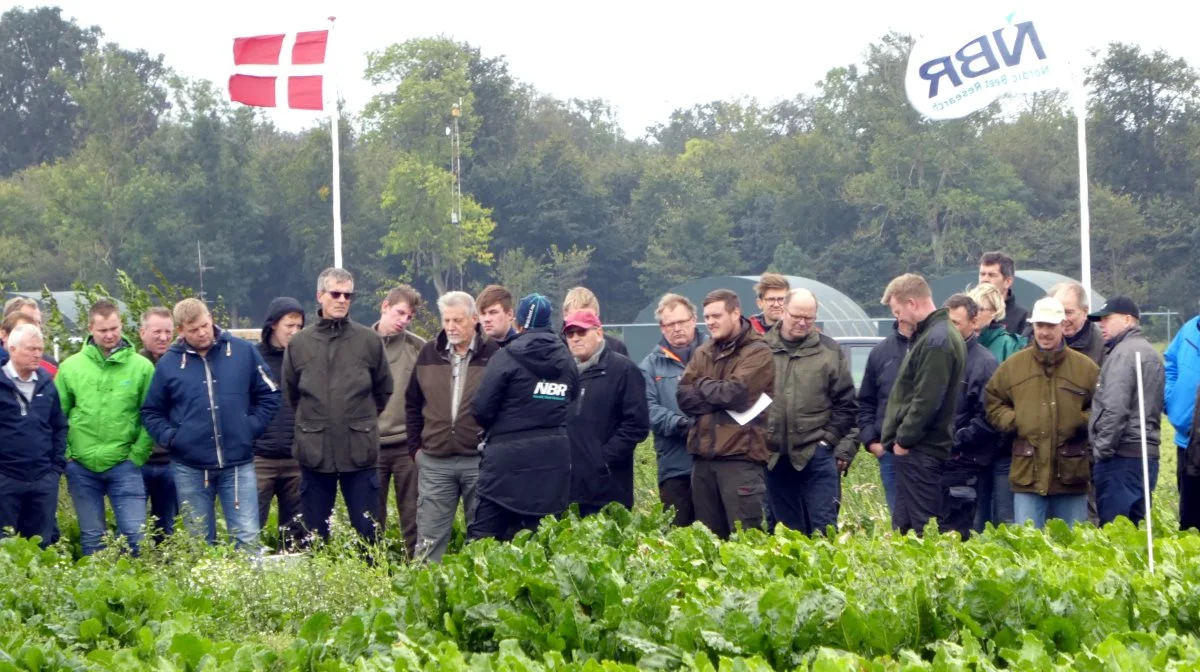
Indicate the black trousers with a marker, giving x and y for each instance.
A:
(918, 490)
(496, 522)
(728, 492)
(360, 489)
(1189, 494)
(29, 507)
(960, 497)
(677, 492)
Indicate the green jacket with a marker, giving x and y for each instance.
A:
(920, 409)
(1045, 398)
(336, 378)
(814, 397)
(102, 399)
(1001, 342)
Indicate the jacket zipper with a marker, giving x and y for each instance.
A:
(212, 409)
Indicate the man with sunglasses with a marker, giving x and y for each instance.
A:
(336, 377)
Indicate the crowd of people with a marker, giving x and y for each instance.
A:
(977, 411)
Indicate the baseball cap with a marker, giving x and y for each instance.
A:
(533, 312)
(1048, 311)
(581, 319)
(1117, 305)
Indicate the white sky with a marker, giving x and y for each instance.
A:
(646, 58)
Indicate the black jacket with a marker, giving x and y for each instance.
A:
(522, 405)
(975, 440)
(276, 442)
(336, 377)
(608, 419)
(1016, 318)
(1089, 341)
(882, 365)
(34, 441)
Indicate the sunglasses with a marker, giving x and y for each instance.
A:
(337, 296)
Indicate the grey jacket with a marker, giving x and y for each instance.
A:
(662, 370)
(1114, 428)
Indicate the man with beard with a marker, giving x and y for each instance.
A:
(728, 374)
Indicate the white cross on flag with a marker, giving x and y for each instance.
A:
(284, 70)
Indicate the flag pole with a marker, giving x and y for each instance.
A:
(335, 134)
(1085, 218)
(1145, 463)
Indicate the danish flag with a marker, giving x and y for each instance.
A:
(284, 70)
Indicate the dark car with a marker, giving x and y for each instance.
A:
(858, 348)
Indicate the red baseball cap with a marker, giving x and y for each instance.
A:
(581, 319)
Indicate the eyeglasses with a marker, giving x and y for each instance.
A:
(680, 324)
(338, 296)
(806, 319)
(775, 300)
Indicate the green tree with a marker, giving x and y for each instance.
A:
(431, 77)
(419, 199)
(41, 56)
(1144, 111)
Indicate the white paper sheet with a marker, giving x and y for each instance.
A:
(752, 413)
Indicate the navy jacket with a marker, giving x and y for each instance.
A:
(975, 440)
(522, 405)
(33, 434)
(209, 410)
(882, 366)
(608, 420)
(276, 441)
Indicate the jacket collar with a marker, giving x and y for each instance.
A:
(745, 334)
(778, 343)
(331, 325)
(667, 351)
(92, 350)
(405, 335)
(939, 315)
(442, 343)
(220, 340)
(1134, 331)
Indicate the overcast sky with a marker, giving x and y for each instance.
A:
(646, 58)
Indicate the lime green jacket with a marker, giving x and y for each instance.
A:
(102, 399)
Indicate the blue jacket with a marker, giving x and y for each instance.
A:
(670, 426)
(34, 434)
(209, 410)
(1183, 376)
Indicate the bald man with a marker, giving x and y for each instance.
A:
(813, 410)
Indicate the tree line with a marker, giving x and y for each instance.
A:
(114, 162)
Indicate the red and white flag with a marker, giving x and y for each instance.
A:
(284, 70)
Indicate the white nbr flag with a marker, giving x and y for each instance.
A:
(965, 68)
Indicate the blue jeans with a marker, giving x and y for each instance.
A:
(807, 500)
(160, 488)
(125, 490)
(995, 496)
(1119, 490)
(1038, 509)
(237, 488)
(887, 474)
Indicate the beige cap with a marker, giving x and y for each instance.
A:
(1048, 311)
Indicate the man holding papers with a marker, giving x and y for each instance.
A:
(814, 409)
(918, 426)
(728, 375)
